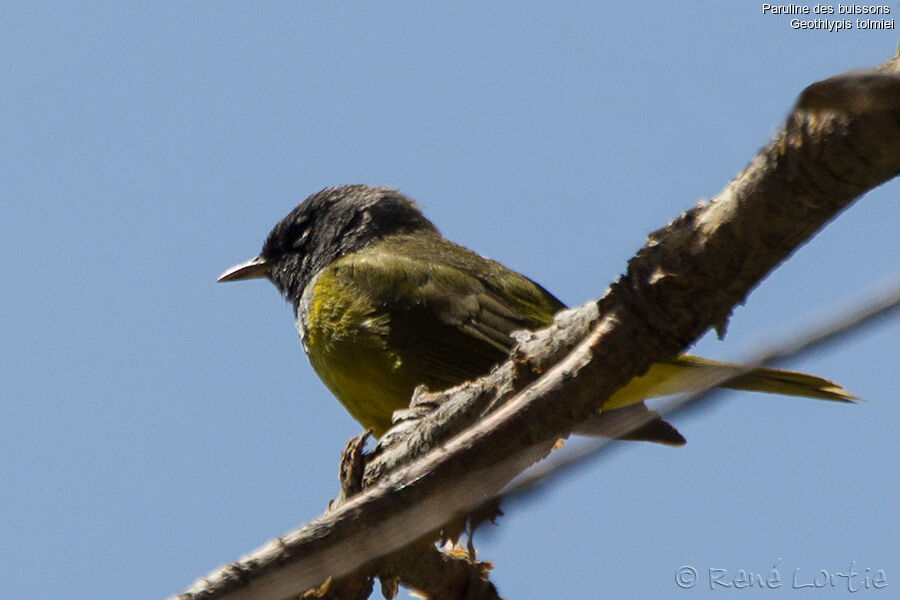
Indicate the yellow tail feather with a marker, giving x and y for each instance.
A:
(687, 374)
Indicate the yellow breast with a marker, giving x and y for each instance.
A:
(346, 339)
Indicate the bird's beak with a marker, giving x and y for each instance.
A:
(254, 268)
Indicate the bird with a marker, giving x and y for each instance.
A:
(383, 303)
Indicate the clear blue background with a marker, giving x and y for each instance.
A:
(155, 425)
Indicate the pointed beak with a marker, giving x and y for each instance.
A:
(255, 268)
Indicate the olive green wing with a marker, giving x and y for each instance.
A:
(445, 324)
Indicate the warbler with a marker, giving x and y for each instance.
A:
(383, 303)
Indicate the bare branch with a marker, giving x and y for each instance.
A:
(880, 307)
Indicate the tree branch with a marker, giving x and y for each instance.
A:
(876, 309)
(842, 139)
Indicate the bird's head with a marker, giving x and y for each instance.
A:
(326, 226)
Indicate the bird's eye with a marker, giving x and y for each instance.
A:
(300, 238)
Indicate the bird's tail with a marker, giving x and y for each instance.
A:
(686, 374)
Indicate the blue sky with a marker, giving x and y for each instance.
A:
(155, 425)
